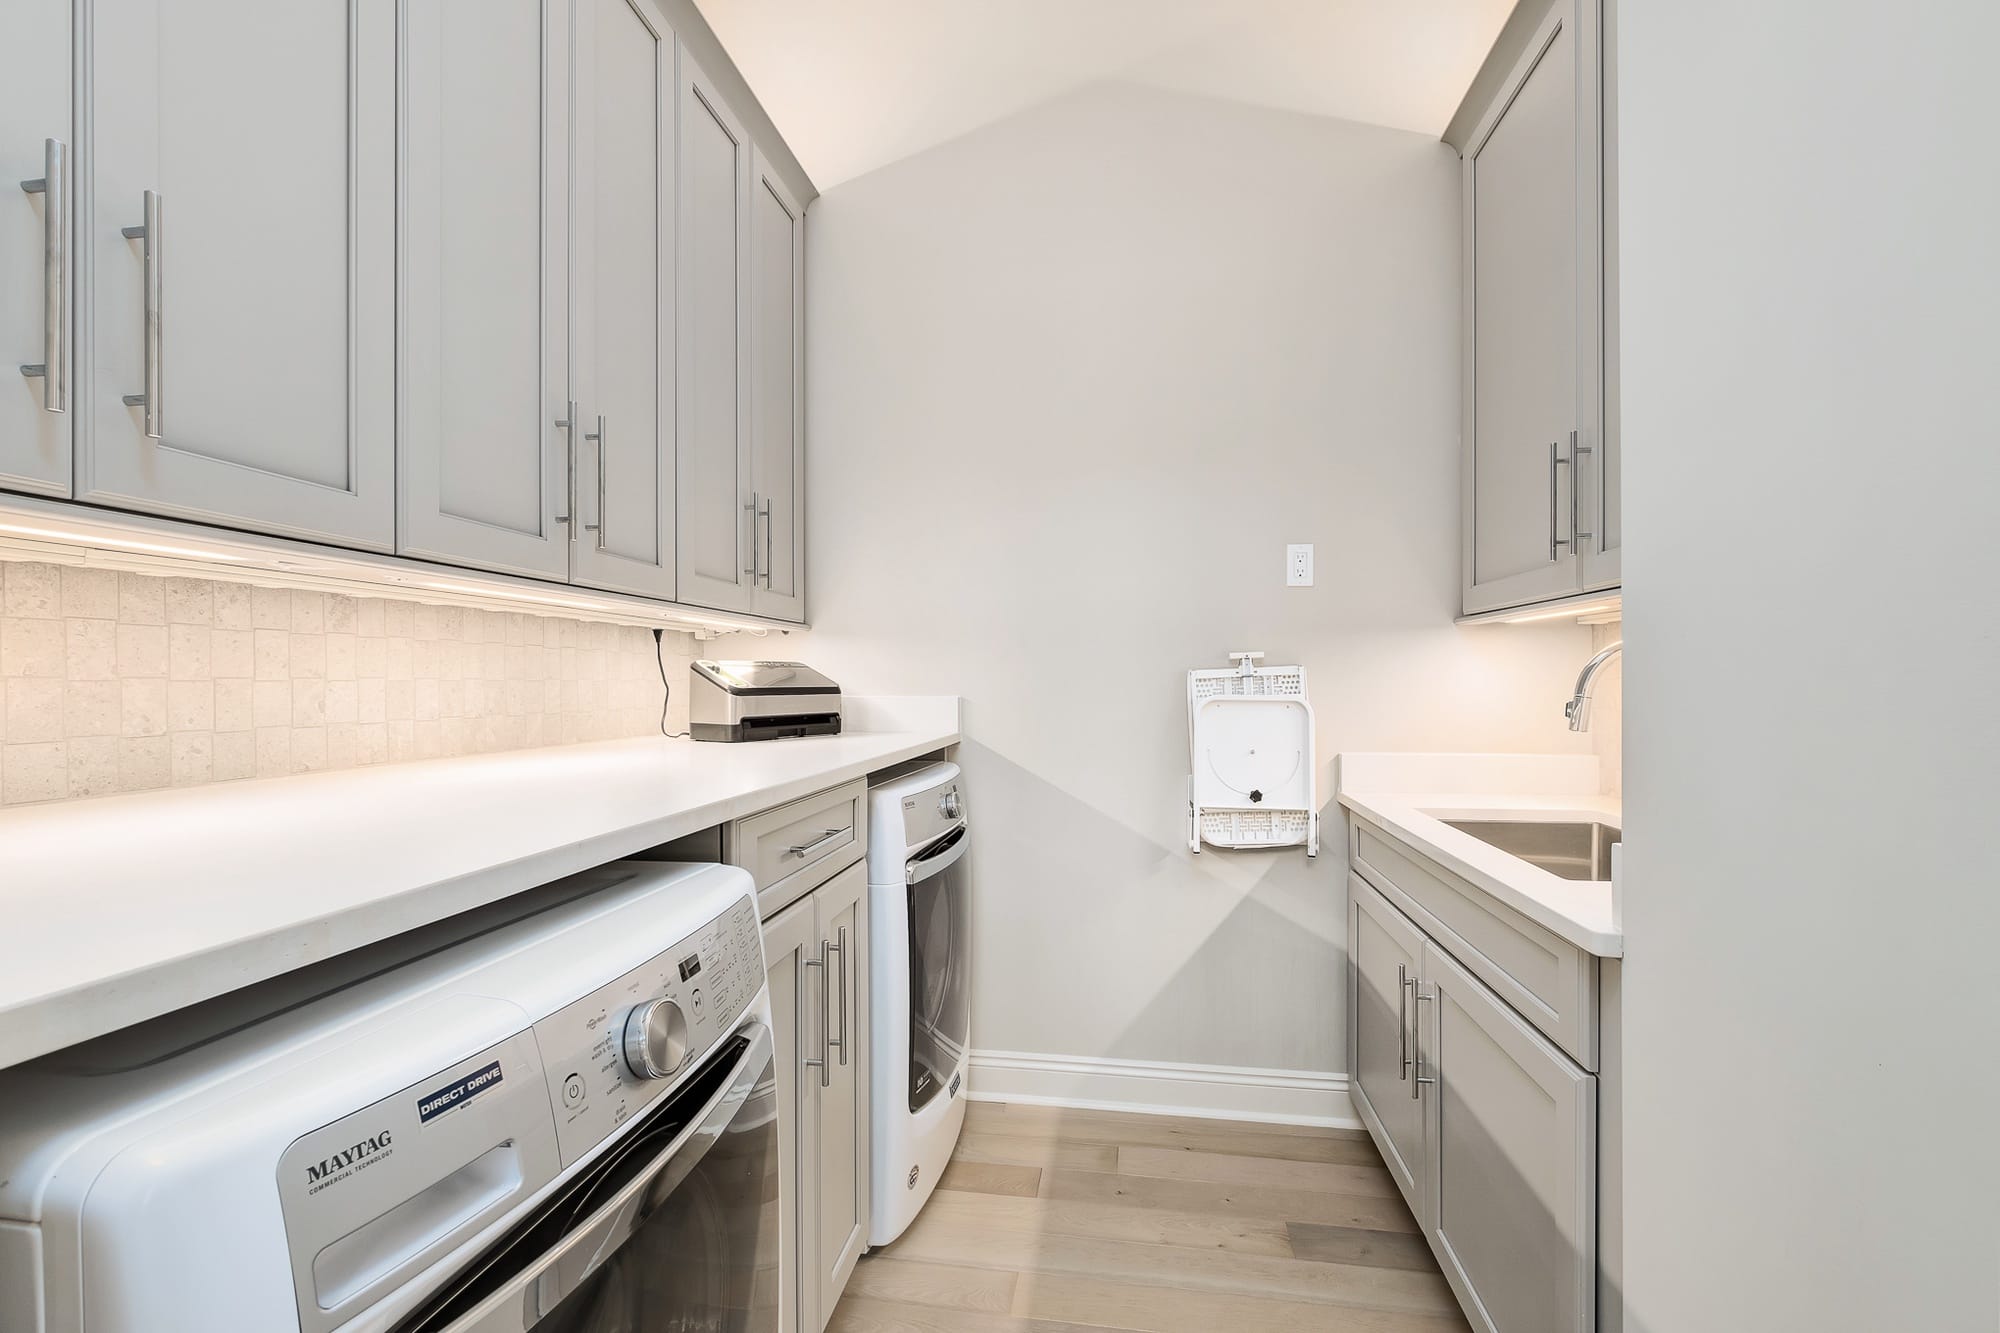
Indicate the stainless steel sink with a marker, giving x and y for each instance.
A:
(1580, 851)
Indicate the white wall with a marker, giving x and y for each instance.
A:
(1810, 353)
(1076, 379)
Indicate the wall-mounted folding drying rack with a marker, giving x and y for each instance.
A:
(1250, 749)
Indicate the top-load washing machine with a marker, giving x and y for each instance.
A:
(920, 913)
(558, 1113)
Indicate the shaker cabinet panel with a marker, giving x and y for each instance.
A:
(1511, 1200)
(1386, 953)
(777, 400)
(485, 448)
(37, 248)
(239, 233)
(622, 258)
(712, 527)
(844, 1189)
(790, 938)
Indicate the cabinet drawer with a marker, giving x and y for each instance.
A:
(1549, 980)
(800, 846)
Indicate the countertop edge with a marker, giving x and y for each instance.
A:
(52, 1019)
(1385, 811)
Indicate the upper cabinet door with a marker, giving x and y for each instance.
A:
(713, 510)
(1600, 474)
(1520, 200)
(36, 242)
(240, 348)
(623, 265)
(487, 429)
(777, 399)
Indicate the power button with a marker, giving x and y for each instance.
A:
(573, 1090)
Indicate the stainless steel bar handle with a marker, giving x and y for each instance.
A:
(1403, 1021)
(54, 188)
(151, 234)
(568, 427)
(765, 513)
(598, 437)
(750, 507)
(826, 836)
(1556, 460)
(841, 949)
(1576, 451)
(1417, 1085)
(824, 1062)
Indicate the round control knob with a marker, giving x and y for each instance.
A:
(656, 1039)
(948, 805)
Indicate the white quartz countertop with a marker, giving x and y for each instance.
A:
(115, 910)
(1410, 796)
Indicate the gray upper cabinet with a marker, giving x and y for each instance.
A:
(238, 239)
(36, 243)
(1510, 1203)
(777, 398)
(487, 426)
(713, 527)
(1534, 464)
(623, 266)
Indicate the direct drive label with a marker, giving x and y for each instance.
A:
(455, 1094)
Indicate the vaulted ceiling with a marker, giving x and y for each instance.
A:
(856, 84)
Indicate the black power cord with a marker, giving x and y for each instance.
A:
(666, 689)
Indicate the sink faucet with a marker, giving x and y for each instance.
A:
(1577, 710)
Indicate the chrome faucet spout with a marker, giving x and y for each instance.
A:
(1577, 710)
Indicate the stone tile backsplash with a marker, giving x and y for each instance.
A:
(118, 682)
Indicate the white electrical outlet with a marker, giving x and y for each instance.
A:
(1299, 565)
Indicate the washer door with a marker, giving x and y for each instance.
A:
(940, 963)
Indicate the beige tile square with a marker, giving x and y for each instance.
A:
(343, 745)
(235, 709)
(374, 738)
(424, 622)
(141, 600)
(274, 752)
(308, 703)
(308, 613)
(142, 650)
(341, 656)
(398, 618)
(34, 710)
(232, 606)
(343, 701)
(232, 652)
(272, 649)
(29, 588)
(33, 772)
(451, 622)
(92, 708)
(402, 742)
(452, 737)
(371, 658)
(190, 654)
(271, 608)
(90, 594)
(271, 704)
(31, 647)
(309, 749)
(369, 617)
(190, 602)
(451, 698)
(193, 758)
(342, 613)
(373, 702)
(308, 656)
(401, 700)
(235, 755)
(144, 763)
(91, 649)
(423, 658)
(142, 708)
(401, 658)
(92, 765)
(425, 700)
(190, 705)
(430, 739)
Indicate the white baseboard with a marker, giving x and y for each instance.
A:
(1214, 1092)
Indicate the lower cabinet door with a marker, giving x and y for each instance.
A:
(1510, 1206)
(1386, 953)
(843, 1095)
(789, 940)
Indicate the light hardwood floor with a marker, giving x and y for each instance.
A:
(1052, 1220)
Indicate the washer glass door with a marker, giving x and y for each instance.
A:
(940, 964)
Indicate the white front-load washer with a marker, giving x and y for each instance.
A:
(920, 914)
(557, 1113)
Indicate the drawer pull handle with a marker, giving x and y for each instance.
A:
(807, 848)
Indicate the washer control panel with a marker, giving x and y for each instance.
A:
(609, 1054)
